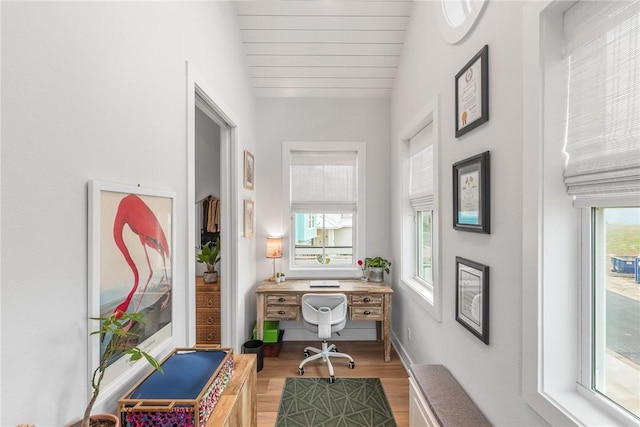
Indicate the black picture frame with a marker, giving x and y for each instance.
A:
(471, 194)
(472, 297)
(471, 112)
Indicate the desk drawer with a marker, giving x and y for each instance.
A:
(205, 316)
(207, 299)
(283, 300)
(367, 300)
(366, 313)
(285, 312)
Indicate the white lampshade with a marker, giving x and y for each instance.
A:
(274, 247)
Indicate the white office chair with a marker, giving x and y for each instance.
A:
(324, 314)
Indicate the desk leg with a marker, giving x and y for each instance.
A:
(387, 327)
(260, 316)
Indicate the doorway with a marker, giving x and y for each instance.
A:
(216, 135)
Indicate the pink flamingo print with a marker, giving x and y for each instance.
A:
(132, 211)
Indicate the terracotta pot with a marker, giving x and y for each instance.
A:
(95, 420)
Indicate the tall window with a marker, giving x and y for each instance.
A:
(421, 200)
(602, 173)
(324, 189)
(420, 216)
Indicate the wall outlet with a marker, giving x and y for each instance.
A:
(409, 333)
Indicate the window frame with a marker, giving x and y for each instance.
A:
(359, 216)
(556, 337)
(429, 293)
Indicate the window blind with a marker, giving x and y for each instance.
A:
(421, 170)
(602, 50)
(323, 181)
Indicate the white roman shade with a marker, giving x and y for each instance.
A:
(602, 48)
(324, 181)
(421, 173)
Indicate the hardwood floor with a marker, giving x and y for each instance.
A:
(368, 357)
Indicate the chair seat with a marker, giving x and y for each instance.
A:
(324, 314)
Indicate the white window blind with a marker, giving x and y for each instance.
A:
(602, 47)
(421, 173)
(323, 181)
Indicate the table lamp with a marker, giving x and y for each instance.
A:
(274, 250)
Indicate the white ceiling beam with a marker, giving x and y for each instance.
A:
(322, 93)
(307, 36)
(321, 61)
(323, 8)
(323, 49)
(363, 72)
(321, 23)
(267, 82)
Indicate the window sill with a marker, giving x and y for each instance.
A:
(425, 294)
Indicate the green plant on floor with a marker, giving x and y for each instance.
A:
(116, 329)
(378, 262)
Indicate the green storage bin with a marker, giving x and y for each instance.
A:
(270, 334)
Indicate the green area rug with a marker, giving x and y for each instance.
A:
(348, 402)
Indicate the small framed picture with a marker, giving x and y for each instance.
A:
(472, 93)
(472, 297)
(249, 170)
(471, 194)
(249, 218)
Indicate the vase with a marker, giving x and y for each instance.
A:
(210, 277)
(376, 274)
(96, 419)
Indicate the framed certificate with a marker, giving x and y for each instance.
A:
(472, 93)
(471, 195)
(472, 297)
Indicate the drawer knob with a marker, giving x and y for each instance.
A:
(367, 299)
(281, 312)
(209, 337)
(210, 303)
(210, 320)
(366, 313)
(281, 299)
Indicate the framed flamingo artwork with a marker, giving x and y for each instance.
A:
(131, 248)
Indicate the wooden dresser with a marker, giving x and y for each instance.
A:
(207, 312)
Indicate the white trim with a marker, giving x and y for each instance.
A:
(432, 297)
(219, 111)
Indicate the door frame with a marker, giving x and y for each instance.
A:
(218, 111)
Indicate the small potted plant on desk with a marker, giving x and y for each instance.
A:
(116, 329)
(377, 267)
(210, 256)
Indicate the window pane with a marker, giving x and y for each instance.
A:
(323, 240)
(617, 306)
(423, 232)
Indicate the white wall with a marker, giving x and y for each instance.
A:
(491, 374)
(314, 119)
(93, 91)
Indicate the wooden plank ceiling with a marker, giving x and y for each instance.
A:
(318, 48)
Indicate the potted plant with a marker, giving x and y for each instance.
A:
(116, 329)
(377, 267)
(210, 256)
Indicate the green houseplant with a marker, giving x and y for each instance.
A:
(116, 329)
(210, 256)
(376, 268)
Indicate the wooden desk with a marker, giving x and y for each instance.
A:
(367, 301)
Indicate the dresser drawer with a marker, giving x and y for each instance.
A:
(207, 299)
(207, 335)
(283, 300)
(285, 312)
(366, 313)
(208, 316)
(367, 300)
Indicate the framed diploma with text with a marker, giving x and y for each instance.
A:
(471, 195)
(472, 93)
(472, 297)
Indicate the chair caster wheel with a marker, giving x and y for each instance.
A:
(300, 371)
(332, 379)
(306, 354)
(352, 365)
(335, 350)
